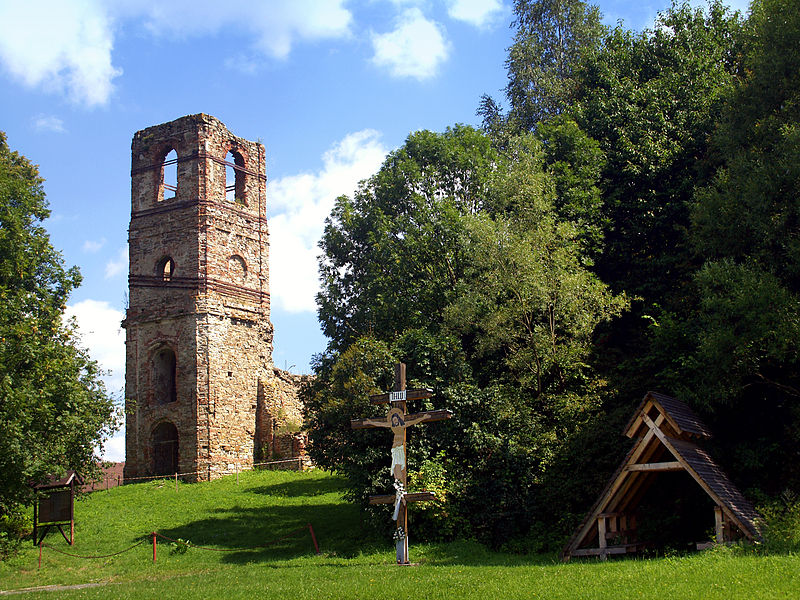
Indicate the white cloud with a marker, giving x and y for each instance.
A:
(93, 245)
(49, 123)
(101, 334)
(115, 447)
(274, 26)
(117, 265)
(415, 48)
(59, 46)
(475, 12)
(66, 47)
(299, 205)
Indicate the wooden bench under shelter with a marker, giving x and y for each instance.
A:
(666, 433)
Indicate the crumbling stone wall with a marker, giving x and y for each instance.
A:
(279, 416)
(199, 305)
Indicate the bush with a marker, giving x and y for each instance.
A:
(781, 525)
(15, 525)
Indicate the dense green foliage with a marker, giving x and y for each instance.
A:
(454, 259)
(54, 409)
(630, 223)
(233, 517)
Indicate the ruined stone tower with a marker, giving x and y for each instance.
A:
(198, 331)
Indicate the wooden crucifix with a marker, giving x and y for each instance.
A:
(397, 420)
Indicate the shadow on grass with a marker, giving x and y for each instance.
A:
(275, 533)
(301, 487)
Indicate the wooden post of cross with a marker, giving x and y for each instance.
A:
(397, 420)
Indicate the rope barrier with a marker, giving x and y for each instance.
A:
(155, 534)
(297, 460)
(92, 556)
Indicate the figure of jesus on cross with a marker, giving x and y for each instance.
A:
(398, 421)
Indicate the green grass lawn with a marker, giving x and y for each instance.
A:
(353, 564)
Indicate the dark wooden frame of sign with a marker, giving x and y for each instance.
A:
(54, 507)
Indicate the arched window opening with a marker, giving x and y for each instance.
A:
(165, 449)
(169, 176)
(164, 381)
(234, 178)
(165, 268)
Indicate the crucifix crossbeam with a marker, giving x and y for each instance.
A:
(398, 421)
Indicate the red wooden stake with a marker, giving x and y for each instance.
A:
(40, 555)
(313, 538)
(154, 546)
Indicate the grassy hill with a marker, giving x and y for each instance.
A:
(234, 519)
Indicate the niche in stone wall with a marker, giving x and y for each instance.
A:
(165, 389)
(237, 269)
(165, 449)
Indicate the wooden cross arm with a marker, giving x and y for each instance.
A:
(419, 394)
(412, 497)
(366, 423)
(430, 415)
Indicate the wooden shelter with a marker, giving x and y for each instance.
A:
(666, 433)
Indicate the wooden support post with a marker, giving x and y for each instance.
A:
(601, 534)
(154, 546)
(719, 525)
(71, 512)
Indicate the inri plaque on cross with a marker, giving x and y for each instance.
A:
(397, 420)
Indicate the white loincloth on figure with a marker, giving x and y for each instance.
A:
(398, 457)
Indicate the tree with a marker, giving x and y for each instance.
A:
(453, 259)
(551, 36)
(651, 101)
(745, 227)
(398, 237)
(54, 410)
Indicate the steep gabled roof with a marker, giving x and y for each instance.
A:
(665, 430)
(678, 414)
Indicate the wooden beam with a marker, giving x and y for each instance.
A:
(607, 550)
(672, 465)
(412, 497)
(719, 525)
(433, 415)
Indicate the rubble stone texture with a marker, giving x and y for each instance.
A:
(201, 392)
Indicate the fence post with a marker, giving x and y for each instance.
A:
(176, 481)
(313, 538)
(40, 556)
(154, 546)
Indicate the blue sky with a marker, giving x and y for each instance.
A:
(329, 87)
